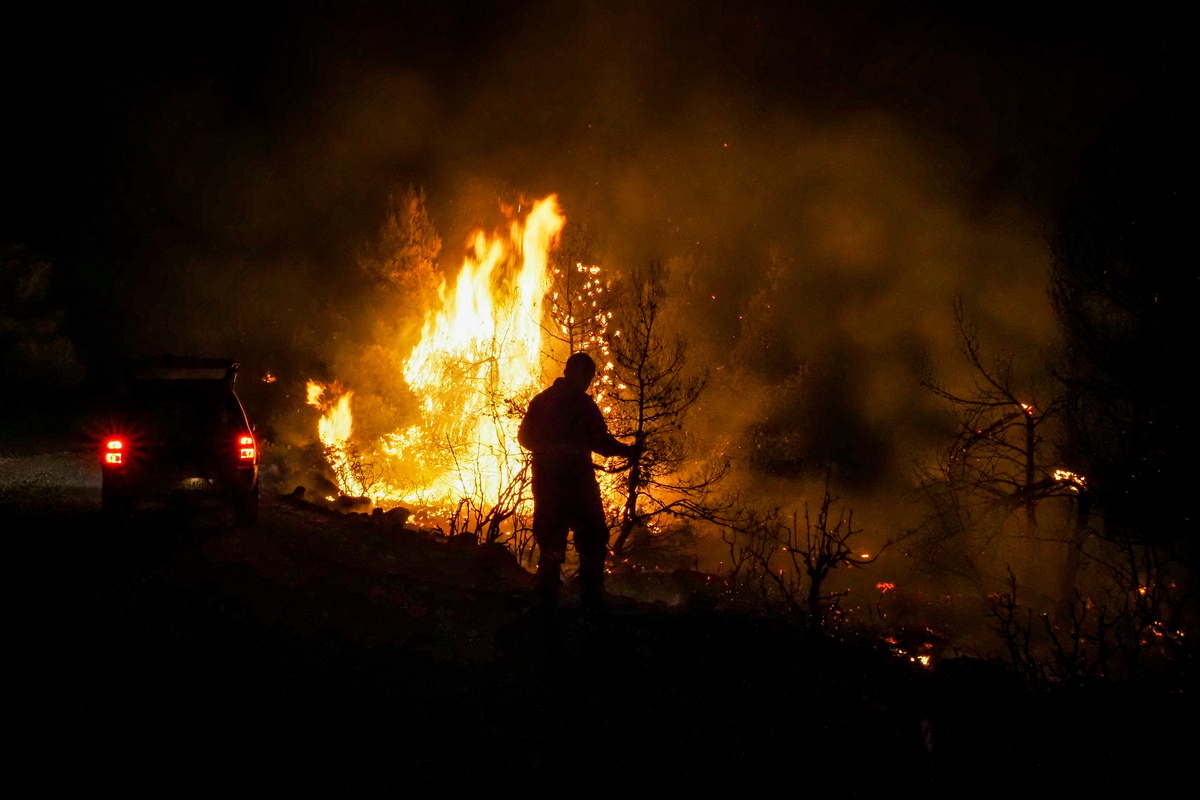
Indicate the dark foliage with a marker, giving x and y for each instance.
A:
(1124, 286)
(35, 349)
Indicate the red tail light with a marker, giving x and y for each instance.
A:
(113, 449)
(246, 448)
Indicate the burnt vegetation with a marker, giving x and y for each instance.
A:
(1104, 435)
(783, 562)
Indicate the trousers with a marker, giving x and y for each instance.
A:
(567, 497)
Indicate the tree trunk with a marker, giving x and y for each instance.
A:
(814, 597)
(1030, 463)
(1070, 566)
(629, 511)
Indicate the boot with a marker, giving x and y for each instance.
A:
(591, 596)
(549, 581)
(591, 583)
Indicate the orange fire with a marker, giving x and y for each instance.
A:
(477, 365)
(1077, 482)
(334, 429)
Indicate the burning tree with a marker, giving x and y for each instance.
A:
(1125, 300)
(999, 457)
(578, 309)
(999, 445)
(652, 394)
(399, 280)
(578, 312)
(1134, 609)
(520, 302)
(477, 365)
(478, 362)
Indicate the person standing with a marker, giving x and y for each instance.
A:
(562, 428)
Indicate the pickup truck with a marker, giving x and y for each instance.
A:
(179, 435)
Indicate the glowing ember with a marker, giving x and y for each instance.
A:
(1078, 482)
(885, 587)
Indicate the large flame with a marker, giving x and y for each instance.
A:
(498, 334)
(478, 361)
(477, 365)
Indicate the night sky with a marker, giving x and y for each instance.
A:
(197, 176)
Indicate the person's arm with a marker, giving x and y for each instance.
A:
(600, 440)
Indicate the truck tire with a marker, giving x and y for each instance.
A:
(116, 509)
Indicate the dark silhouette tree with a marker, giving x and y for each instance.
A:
(653, 391)
(35, 350)
(778, 560)
(1002, 457)
(1124, 283)
(1000, 448)
(1124, 286)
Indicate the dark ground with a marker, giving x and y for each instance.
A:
(320, 648)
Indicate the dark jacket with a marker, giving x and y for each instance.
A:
(566, 426)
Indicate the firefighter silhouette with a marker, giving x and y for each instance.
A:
(562, 428)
